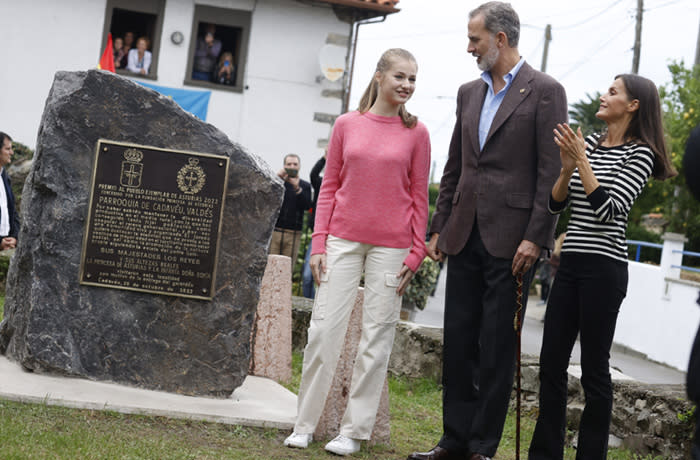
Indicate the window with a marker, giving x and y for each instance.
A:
(129, 21)
(218, 48)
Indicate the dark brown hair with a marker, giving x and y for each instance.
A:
(370, 95)
(646, 125)
(4, 136)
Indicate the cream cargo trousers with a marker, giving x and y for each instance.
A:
(334, 301)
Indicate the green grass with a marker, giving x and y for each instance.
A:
(39, 431)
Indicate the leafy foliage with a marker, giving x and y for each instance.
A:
(21, 152)
(583, 115)
(681, 103)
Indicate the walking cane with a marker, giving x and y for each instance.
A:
(517, 324)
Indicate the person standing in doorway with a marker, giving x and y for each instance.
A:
(491, 219)
(140, 57)
(206, 54)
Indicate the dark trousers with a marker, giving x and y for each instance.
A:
(479, 348)
(693, 388)
(585, 299)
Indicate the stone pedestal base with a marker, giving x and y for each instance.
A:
(271, 346)
(329, 424)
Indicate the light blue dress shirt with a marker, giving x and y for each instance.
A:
(493, 101)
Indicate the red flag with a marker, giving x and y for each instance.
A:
(107, 59)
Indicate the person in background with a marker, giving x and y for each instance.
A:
(226, 70)
(491, 220)
(128, 45)
(205, 55)
(139, 57)
(297, 199)
(371, 217)
(549, 268)
(307, 278)
(556, 257)
(545, 273)
(9, 220)
(118, 52)
(691, 167)
(601, 177)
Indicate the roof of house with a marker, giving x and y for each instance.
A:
(385, 6)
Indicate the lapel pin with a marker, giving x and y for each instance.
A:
(522, 90)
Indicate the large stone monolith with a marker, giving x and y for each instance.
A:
(55, 324)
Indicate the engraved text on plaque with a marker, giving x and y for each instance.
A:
(154, 220)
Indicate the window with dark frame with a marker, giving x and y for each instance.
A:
(218, 48)
(139, 18)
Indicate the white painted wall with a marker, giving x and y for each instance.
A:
(273, 117)
(659, 317)
(40, 37)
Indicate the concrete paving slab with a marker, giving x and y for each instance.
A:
(258, 402)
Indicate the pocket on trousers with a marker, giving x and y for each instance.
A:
(388, 307)
(321, 300)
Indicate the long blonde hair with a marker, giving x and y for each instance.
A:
(370, 95)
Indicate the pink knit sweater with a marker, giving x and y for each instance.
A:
(375, 186)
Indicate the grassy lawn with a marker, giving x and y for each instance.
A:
(37, 431)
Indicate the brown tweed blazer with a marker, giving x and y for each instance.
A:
(506, 187)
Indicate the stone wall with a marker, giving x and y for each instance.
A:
(647, 419)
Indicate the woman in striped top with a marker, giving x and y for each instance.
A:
(601, 176)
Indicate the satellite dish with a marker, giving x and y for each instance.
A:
(332, 60)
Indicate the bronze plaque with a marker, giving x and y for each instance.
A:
(154, 220)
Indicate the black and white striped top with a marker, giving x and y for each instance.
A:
(598, 221)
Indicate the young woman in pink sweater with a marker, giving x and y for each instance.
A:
(371, 217)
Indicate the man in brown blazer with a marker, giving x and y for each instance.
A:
(492, 220)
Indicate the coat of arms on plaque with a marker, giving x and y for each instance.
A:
(191, 177)
(132, 168)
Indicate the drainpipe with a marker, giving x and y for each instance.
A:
(354, 30)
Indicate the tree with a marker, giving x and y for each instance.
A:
(583, 114)
(681, 103)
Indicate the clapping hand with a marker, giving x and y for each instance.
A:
(572, 146)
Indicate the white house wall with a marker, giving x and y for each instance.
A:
(40, 37)
(274, 116)
(659, 316)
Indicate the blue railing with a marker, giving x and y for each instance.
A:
(685, 267)
(641, 244)
(645, 244)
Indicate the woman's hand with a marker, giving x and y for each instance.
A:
(406, 276)
(572, 146)
(317, 262)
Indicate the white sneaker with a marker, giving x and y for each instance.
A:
(298, 440)
(342, 445)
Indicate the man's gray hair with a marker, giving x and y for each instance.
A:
(500, 17)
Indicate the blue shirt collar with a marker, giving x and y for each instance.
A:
(509, 77)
